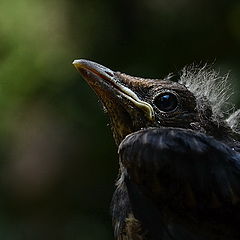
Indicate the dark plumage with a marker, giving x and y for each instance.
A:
(179, 157)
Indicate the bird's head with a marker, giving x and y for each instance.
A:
(134, 103)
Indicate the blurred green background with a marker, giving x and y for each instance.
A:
(58, 159)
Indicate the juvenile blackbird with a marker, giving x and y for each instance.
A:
(179, 156)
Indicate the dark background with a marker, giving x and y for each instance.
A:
(58, 159)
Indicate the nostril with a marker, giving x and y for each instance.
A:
(109, 73)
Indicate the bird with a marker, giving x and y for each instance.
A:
(179, 153)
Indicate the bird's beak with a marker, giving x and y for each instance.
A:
(87, 68)
(103, 80)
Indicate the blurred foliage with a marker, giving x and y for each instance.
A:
(58, 159)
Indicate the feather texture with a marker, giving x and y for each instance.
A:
(209, 87)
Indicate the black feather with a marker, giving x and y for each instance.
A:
(162, 163)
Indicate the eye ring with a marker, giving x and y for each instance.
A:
(166, 101)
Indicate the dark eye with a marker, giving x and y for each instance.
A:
(166, 102)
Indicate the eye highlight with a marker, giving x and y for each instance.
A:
(166, 101)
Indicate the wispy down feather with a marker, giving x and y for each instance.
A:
(208, 86)
(234, 121)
